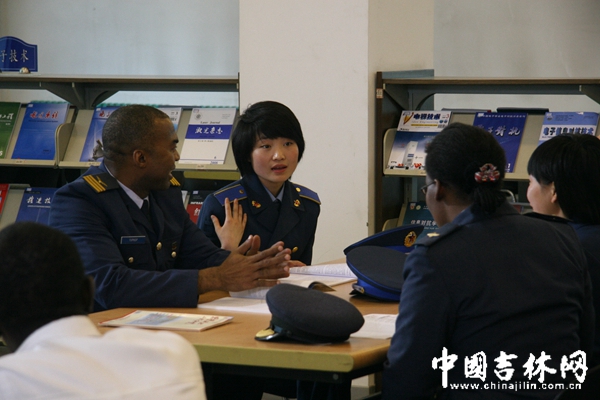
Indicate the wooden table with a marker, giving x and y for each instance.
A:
(232, 349)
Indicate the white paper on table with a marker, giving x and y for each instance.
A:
(237, 304)
(377, 326)
(303, 280)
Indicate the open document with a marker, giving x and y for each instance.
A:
(321, 277)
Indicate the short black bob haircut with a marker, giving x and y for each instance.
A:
(572, 162)
(268, 119)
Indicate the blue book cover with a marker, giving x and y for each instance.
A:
(417, 212)
(568, 122)
(507, 128)
(92, 149)
(415, 131)
(35, 205)
(37, 137)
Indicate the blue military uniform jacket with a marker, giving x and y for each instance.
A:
(589, 235)
(489, 283)
(294, 223)
(134, 262)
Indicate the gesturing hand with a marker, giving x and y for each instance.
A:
(230, 233)
(239, 272)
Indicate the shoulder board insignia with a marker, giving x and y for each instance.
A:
(101, 182)
(175, 182)
(306, 193)
(231, 193)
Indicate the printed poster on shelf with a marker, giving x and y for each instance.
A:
(35, 204)
(37, 137)
(415, 131)
(207, 136)
(417, 212)
(174, 113)
(561, 123)
(3, 193)
(9, 113)
(92, 149)
(507, 128)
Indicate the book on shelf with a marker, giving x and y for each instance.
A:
(507, 128)
(168, 321)
(37, 137)
(3, 193)
(319, 277)
(415, 130)
(35, 204)
(174, 114)
(92, 149)
(9, 112)
(195, 202)
(207, 136)
(568, 122)
(417, 212)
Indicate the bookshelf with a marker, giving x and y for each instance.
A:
(84, 93)
(414, 90)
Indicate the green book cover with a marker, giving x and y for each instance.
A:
(9, 113)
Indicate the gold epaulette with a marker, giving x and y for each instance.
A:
(101, 182)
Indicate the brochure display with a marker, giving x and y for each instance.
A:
(560, 123)
(207, 136)
(417, 212)
(508, 131)
(92, 149)
(9, 111)
(35, 205)
(415, 130)
(37, 137)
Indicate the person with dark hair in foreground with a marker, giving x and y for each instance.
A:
(564, 180)
(492, 299)
(58, 351)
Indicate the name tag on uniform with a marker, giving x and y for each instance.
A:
(133, 239)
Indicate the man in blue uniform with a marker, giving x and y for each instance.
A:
(134, 235)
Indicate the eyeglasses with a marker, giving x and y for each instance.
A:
(424, 187)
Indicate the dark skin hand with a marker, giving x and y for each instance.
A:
(247, 268)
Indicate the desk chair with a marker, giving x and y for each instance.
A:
(590, 388)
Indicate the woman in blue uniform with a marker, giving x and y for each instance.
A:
(267, 144)
(492, 298)
(564, 180)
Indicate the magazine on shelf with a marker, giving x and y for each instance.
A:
(564, 122)
(417, 212)
(415, 130)
(92, 149)
(207, 136)
(195, 202)
(37, 137)
(35, 204)
(507, 128)
(9, 113)
(3, 193)
(168, 321)
(174, 113)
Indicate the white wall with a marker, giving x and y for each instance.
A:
(516, 38)
(319, 57)
(312, 56)
(132, 37)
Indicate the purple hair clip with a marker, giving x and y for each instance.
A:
(487, 173)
